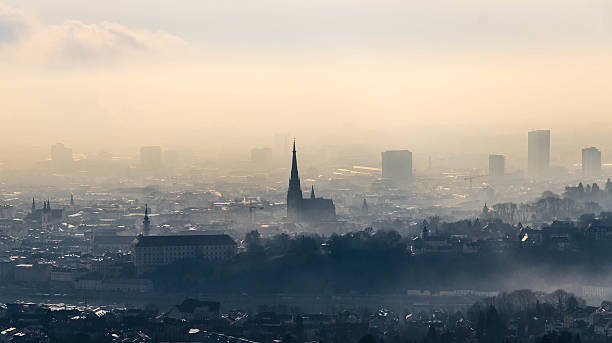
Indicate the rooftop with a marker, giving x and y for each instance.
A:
(184, 240)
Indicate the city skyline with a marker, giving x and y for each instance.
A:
(272, 171)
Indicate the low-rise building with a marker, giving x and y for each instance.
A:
(151, 252)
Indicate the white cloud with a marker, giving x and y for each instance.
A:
(14, 24)
(76, 44)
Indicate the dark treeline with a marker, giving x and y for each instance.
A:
(575, 201)
(518, 316)
(381, 261)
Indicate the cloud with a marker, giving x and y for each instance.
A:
(77, 44)
(14, 24)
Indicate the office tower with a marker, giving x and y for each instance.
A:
(261, 156)
(281, 146)
(538, 153)
(591, 162)
(150, 157)
(61, 157)
(397, 165)
(497, 165)
(61, 154)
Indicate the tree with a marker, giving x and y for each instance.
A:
(572, 303)
(494, 328)
(480, 325)
(368, 339)
(253, 241)
(432, 335)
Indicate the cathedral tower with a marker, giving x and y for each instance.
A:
(294, 194)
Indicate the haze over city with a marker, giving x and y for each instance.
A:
(193, 74)
(324, 171)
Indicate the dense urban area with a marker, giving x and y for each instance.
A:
(112, 249)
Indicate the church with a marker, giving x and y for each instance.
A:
(312, 209)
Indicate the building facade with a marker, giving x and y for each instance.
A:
(538, 163)
(397, 165)
(150, 157)
(497, 166)
(312, 209)
(591, 162)
(151, 252)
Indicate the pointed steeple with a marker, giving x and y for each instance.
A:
(294, 193)
(48, 204)
(364, 206)
(294, 166)
(71, 199)
(312, 194)
(146, 222)
(33, 205)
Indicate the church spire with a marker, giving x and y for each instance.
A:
(294, 194)
(312, 194)
(33, 205)
(146, 222)
(294, 166)
(364, 206)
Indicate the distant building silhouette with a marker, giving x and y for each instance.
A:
(281, 146)
(397, 165)
(46, 214)
(591, 162)
(150, 157)
(497, 166)
(61, 156)
(364, 207)
(300, 209)
(538, 163)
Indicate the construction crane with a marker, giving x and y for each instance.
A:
(252, 212)
(252, 207)
(471, 178)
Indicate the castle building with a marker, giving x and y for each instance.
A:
(312, 209)
(151, 252)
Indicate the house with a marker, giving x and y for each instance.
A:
(194, 309)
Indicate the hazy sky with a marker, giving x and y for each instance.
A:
(107, 74)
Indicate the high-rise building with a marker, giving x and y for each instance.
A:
(497, 165)
(150, 157)
(281, 146)
(61, 156)
(538, 163)
(591, 162)
(397, 165)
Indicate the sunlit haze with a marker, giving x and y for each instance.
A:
(331, 171)
(109, 75)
